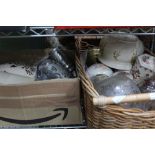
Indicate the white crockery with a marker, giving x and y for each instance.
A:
(119, 51)
(9, 78)
(98, 69)
(21, 70)
(144, 67)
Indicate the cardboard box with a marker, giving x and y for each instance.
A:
(41, 103)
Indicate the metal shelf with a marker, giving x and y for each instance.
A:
(47, 31)
(103, 31)
(35, 31)
(82, 126)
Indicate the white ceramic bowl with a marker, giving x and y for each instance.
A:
(98, 69)
(119, 51)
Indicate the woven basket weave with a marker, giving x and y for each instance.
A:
(102, 112)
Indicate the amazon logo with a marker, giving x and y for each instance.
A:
(38, 120)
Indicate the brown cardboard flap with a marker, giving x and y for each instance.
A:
(54, 86)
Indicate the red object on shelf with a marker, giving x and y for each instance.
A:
(89, 27)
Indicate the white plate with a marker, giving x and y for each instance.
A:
(8, 78)
(17, 70)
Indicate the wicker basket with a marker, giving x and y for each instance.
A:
(102, 112)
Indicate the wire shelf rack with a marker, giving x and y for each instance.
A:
(30, 31)
(103, 31)
(47, 31)
(82, 126)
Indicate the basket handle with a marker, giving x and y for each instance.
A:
(102, 100)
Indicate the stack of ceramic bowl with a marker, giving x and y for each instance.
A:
(117, 53)
(120, 51)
